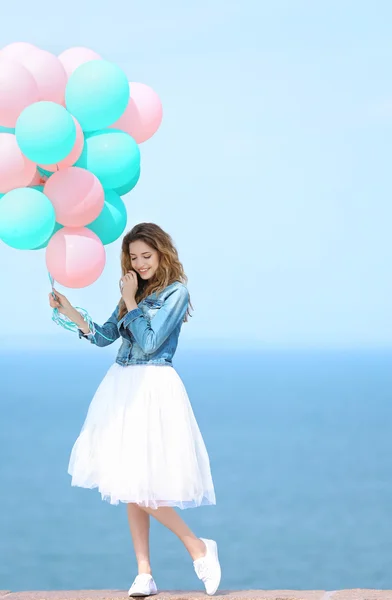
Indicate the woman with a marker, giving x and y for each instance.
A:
(140, 443)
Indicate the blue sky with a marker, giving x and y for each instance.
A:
(271, 170)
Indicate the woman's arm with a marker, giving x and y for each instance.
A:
(150, 334)
(109, 329)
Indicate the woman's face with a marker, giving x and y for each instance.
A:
(144, 259)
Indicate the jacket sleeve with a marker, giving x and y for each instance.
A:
(108, 330)
(150, 334)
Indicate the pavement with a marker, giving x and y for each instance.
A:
(353, 594)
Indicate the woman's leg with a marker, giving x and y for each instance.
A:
(207, 569)
(172, 520)
(139, 524)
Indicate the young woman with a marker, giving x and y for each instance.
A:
(140, 443)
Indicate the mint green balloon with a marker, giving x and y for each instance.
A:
(112, 220)
(27, 218)
(45, 172)
(112, 155)
(45, 132)
(56, 228)
(97, 94)
(125, 189)
(6, 129)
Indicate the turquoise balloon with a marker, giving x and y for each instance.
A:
(45, 132)
(112, 220)
(44, 245)
(57, 226)
(6, 129)
(45, 172)
(27, 218)
(97, 94)
(125, 189)
(113, 156)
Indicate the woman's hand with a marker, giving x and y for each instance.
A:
(129, 287)
(61, 302)
(65, 308)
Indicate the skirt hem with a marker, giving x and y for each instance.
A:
(208, 499)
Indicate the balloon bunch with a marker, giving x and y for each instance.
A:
(70, 129)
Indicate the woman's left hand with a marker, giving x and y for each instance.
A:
(129, 286)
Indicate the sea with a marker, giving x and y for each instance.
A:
(300, 444)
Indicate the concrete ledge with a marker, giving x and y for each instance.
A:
(354, 594)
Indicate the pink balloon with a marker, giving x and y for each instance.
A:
(37, 179)
(71, 159)
(143, 115)
(77, 196)
(17, 50)
(75, 257)
(18, 89)
(15, 169)
(72, 58)
(48, 73)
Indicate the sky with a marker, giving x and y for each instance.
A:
(271, 170)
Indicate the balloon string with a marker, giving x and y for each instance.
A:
(66, 323)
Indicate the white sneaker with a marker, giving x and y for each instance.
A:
(144, 585)
(208, 568)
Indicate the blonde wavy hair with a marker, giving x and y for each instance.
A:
(169, 270)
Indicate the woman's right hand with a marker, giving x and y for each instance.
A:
(61, 303)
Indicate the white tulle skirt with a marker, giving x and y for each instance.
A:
(140, 441)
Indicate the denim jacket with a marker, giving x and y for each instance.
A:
(149, 332)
